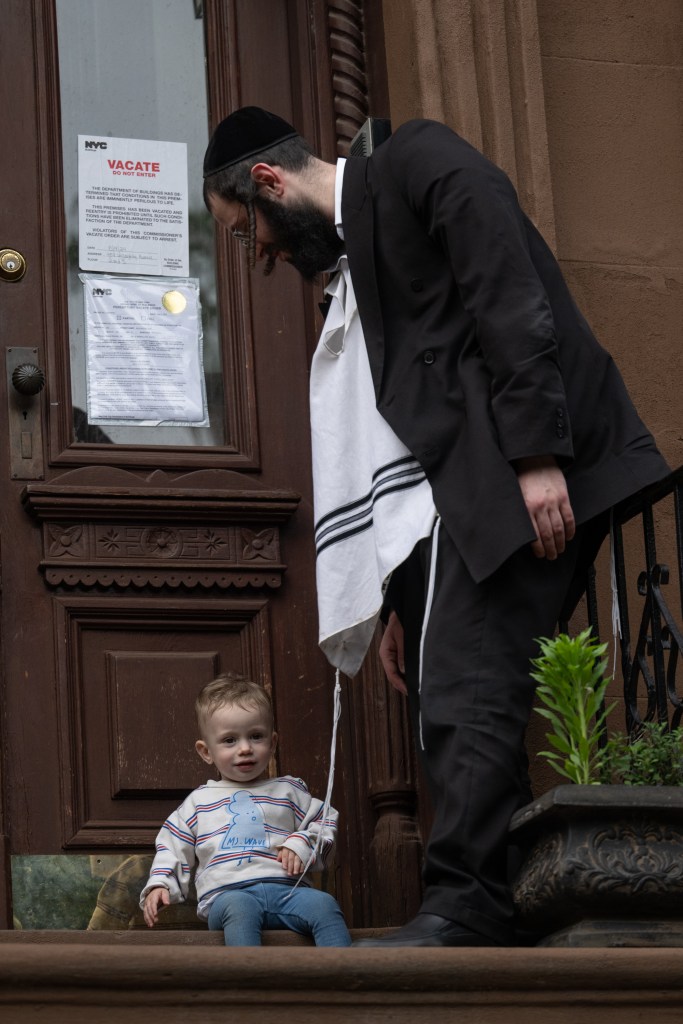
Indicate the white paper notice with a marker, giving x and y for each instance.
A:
(144, 351)
(132, 206)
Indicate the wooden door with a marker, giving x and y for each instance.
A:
(139, 562)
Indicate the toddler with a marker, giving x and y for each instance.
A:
(246, 837)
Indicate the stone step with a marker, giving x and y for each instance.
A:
(161, 978)
(159, 936)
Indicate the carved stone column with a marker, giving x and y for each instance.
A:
(476, 65)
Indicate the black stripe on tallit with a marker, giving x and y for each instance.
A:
(362, 507)
(341, 533)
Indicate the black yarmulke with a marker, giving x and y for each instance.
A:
(242, 134)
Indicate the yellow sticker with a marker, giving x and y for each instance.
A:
(174, 302)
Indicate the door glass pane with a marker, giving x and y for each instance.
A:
(97, 892)
(136, 70)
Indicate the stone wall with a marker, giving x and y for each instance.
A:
(613, 82)
(581, 104)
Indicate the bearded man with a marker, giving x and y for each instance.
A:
(470, 437)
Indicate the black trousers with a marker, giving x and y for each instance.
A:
(471, 711)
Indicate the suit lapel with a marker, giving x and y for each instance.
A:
(357, 221)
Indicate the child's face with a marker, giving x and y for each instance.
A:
(239, 741)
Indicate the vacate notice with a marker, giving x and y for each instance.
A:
(132, 206)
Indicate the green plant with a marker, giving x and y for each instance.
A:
(653, 757)
(572, 686)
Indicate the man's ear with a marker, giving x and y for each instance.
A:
(269, 178)
(203, 751)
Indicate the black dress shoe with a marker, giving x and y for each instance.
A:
(431, 930)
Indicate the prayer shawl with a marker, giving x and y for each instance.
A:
(372, 500)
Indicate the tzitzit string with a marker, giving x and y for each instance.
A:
(616, 617)
(330, 781)
(428, 608)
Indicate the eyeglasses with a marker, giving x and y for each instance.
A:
(240, 236)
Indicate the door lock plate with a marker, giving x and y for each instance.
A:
(12, 265)
(25, 421)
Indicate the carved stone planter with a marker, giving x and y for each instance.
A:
(603, 867)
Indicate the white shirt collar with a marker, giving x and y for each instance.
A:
(338, 183)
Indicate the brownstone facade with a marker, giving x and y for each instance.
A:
(581, 104)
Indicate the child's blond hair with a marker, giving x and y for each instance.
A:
(230, 688)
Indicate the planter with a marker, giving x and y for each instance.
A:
(603, 866)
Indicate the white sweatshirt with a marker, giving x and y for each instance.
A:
(230, 835)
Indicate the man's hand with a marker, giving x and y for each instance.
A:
(292, 863)
(544, 490)
(391, 653)
(154, 900)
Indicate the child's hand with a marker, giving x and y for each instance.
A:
(154, 900)
(292, 864)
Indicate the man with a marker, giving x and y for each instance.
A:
(513, 436)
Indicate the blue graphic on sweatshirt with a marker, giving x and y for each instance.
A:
(247, 830)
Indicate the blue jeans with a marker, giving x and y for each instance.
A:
(242, 913)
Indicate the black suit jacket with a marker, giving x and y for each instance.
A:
(478, 353)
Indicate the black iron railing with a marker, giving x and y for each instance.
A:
(650, 654)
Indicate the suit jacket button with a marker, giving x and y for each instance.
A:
(429, 357)
(560, 432)
(417, 284)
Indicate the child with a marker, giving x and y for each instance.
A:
(248, 836)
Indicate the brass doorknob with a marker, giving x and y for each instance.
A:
(12, 265)
(28, 379)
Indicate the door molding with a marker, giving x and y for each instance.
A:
(203, 529)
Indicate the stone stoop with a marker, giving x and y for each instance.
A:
(168, 978)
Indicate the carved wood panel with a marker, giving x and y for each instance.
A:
(112, 528)
(127, 677)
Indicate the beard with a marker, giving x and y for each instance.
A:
(303, 231)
